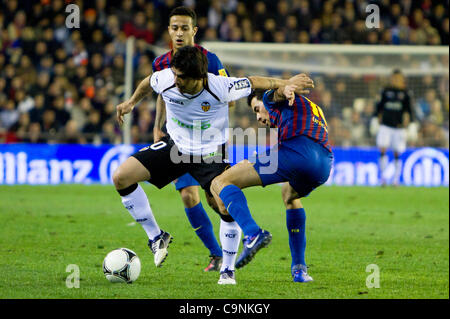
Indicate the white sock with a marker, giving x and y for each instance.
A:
(398, 171)
(138, 206)
(383, 161)
(230, 237)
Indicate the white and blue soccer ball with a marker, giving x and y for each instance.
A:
(121, 265)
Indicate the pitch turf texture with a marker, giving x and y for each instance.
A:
(404, 231)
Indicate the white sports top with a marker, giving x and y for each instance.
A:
(199, 123)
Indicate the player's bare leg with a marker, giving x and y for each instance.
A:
(290, 197)
(296, 227)
(226, 188)
(126, 178)
(242, 175)
(189, 196)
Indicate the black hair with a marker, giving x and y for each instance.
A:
(191, 62)
(396, 71)
(258, 93)
(184, 11)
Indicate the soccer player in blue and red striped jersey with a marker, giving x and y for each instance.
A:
(304, 160)
(182, 29)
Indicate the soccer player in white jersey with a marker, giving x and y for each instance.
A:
(182, 29)
(197, 124)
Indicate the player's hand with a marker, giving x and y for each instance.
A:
(303, 83)
(158, 134)
(122, 109)
(289, 93)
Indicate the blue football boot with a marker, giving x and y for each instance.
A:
(300, 273)
(252, 245)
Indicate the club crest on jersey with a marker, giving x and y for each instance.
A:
(206, 106)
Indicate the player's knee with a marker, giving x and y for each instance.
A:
(190, 197)
(290, 198)
(120, 179)
(217, 185)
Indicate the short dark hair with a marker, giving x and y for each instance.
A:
(191, 62)
(397, 71)
(258, 93)
(184, 11)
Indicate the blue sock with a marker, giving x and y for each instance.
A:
(236, 204)
(203, 228)
(295, 222)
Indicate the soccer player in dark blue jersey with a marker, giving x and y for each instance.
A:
(304, 162)
(182, 29)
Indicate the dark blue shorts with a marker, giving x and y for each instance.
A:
(302, 162)
(185, 181)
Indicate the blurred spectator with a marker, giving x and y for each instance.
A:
(34, 134)
(424, 104)
(138, 28)
(92, 126)
(8, 114)
(71, 134)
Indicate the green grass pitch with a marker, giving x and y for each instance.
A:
(404, 231)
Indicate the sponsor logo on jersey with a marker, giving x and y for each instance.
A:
(241, 84)
(176, 101)
(395, 106)
(390, 94)
(204, 125)
(206, 106)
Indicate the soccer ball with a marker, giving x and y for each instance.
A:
(121, 265)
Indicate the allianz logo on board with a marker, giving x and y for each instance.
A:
(423, 167)
(15, 168)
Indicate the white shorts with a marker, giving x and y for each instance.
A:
(392, 138)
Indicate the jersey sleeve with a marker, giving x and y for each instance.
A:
(268, 99)
(380, 104)
(155, 81)
(215, 66)
(235, 88)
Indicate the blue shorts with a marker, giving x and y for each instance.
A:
(185, 181)
(302, 162)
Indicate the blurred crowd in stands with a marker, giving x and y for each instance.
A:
(61, 85)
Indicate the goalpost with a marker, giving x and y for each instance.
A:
(128, 118)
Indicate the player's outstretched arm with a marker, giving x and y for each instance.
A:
(126, 107)
(301, 81)
(160, 119)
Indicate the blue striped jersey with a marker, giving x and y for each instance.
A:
(215, 66)
(304, 117)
